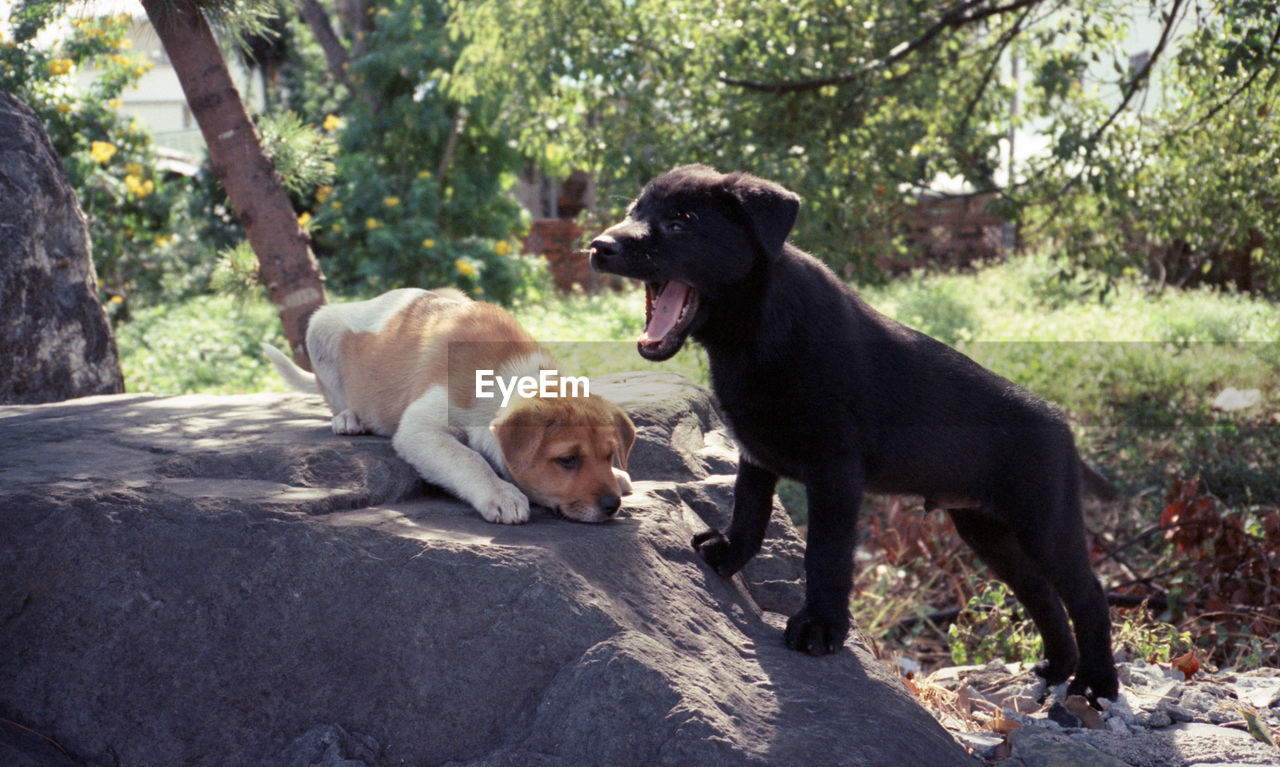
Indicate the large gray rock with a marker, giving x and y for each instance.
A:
(221, 581)
(55, 342)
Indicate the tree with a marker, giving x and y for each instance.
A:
(856, 104)
(286, 265)
(1185, 188)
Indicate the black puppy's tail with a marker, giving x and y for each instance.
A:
(1097, 485)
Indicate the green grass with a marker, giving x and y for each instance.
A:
(1137, 374)
(207, 344)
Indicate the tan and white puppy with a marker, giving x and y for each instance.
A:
(404, 365)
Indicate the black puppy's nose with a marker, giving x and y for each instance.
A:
(605, 245)
(609, 504)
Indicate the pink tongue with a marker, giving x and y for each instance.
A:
(666, 312)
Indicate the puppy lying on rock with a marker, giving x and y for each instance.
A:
(448, 379)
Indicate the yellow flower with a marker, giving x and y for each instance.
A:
(64, 109)
(115, 103)
(465, 268)
(424, 174)
(428, 243)
(502, 248)
(137, 187)
(304, 219)
(391, 202)
(102, 152)
(323, 193)
(336, 205)
(60, 66)
(332, 123)
(124, 43)
(133, 169)
(336, 228)
(371, 223)
(116, 299)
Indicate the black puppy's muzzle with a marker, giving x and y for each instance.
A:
(609, 250)
(605, 252)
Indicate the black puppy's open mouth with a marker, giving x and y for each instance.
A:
(669, 308)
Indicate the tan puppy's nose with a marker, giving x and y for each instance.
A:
(609, 504)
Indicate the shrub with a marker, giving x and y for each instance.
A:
(419, 197)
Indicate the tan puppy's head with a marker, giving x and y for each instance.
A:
(560, 452)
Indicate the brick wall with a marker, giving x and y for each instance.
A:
(952, 231)
(560, 241)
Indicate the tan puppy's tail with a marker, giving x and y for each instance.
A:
(293, 375)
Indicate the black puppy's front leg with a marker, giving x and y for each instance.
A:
(835, 497)
(752, 504)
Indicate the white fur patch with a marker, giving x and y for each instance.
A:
(373, 315)
(332, 321)
(425, 439)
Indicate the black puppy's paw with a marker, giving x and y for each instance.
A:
(815, 635)
(717, 552)
(1052, 673)
(1100, 684)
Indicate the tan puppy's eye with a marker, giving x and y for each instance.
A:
(569, 462)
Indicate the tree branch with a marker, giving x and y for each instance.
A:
(451, 143)
(1005, 39)
(1248, 83)
(318, 21)
(958, 16)
(1140, 78)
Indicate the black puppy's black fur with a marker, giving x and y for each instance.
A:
(820, 387)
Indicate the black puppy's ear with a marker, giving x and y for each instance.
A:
(769, 208)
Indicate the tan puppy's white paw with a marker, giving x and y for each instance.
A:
(624, 481)
(346, 422)
(506, 505)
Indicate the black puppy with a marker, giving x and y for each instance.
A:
(820, 387)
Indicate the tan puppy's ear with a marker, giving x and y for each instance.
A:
(626, 432)
(519, 430)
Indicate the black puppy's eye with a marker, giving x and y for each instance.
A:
(568, 462)
(680, 222)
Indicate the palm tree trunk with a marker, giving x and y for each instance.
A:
(285, 262)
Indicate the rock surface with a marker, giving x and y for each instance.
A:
(55, 342)
(221, 581)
